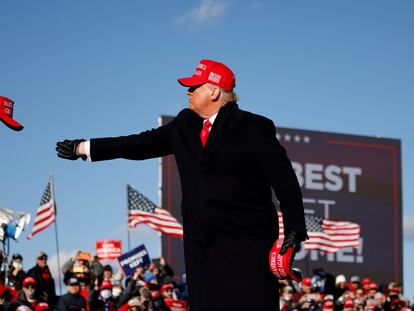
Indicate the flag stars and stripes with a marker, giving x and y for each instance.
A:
(327, 235)
(46, 213)
(142, 211)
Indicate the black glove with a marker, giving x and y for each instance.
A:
(292, 239)
(67, 149)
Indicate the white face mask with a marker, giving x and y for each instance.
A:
(116, 292)
(17, 264)
(106, 293)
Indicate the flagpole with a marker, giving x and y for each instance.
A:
(128, 232)
(56, 231)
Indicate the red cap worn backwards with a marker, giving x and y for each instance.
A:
(280, 265)
(6, 114)
(210, 71)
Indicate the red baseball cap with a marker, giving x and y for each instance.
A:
(366, 281)
(29, 280)
(328, 304)
(42, 306)
(166, 286)
(349, 303)
(307, 281)
(106, 285)
(6, 114)
(281, 265)
(210, 71)
(373, 286)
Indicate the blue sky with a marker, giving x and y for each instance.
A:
(106, 68)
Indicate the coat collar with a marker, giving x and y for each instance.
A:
(223, 127)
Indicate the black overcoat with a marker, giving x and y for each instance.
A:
(229, 219)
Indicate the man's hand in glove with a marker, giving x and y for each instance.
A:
(67, 149)
(292, 239)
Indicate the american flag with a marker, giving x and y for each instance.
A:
(142, 211)
(46, 213)
(327, 235)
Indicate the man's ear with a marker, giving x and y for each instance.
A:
(215, 94)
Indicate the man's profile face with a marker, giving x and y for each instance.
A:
(42, 261)
(199, 98)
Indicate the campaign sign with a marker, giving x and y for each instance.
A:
(108, 249)
(176, 305)
(131, 260)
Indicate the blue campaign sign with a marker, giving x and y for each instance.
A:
(130, 261)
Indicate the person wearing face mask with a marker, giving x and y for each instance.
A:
(27, 295)
(16, 272)
(119, 295)
(100, 298)
(72, 299)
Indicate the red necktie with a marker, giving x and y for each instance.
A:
(205, 131)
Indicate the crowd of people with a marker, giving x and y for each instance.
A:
(326, 292)
(92, 286)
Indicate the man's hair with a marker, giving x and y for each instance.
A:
(225, 96)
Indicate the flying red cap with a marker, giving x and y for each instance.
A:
(280, 265)
(6, 114)
(210, 71)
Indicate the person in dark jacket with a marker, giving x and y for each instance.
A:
(16, 273)
(45, 282)
(100, 297)
(229, 161)
(72, 299)
(28, 296)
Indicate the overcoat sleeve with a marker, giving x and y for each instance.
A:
(149, 144)
(277, 167)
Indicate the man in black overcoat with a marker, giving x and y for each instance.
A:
(229, 161)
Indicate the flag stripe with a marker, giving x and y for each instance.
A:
(142, 211)
(156, 219)
(162, 224)
(46, 213)
(327, 235)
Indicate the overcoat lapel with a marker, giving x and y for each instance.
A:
(192, 130)
(223, 128)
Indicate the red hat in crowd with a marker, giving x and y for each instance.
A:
(373, 286)
(155, 294)
(366, 281)
(106, 285)
(328, 304)
(42, 306)
(29, 280)
(307, 281)
(349, 303)
(166, 286)
(210, 71)
(6, 114)
(281, 265)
